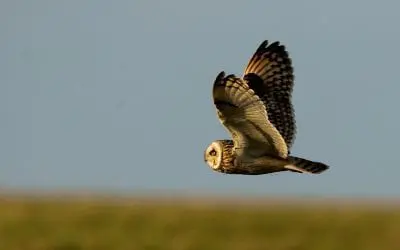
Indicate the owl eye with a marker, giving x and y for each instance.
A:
(213, 152)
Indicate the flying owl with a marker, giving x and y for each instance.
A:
(257, 111)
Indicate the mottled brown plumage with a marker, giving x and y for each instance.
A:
(272, 69)
(257, 111)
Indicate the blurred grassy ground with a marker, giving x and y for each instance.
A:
(74, 224)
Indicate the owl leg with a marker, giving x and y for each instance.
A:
(261, 165)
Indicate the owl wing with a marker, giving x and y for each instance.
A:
(241, 110)
(271, 72)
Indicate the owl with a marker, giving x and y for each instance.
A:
(257, 111)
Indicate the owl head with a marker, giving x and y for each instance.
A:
(219, 155)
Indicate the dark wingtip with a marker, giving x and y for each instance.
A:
(276, 46)
(220, 77)
(263, 45)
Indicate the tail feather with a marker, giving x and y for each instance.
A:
(305, 166)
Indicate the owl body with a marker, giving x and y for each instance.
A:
(228, 163)
(257, 111)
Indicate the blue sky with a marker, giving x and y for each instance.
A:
(116, 95)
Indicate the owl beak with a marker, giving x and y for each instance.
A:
(204, 157)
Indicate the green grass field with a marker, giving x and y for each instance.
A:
(74, 224)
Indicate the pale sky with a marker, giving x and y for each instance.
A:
(116, 95)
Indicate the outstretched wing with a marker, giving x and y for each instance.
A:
(245, 116)
(271, 72)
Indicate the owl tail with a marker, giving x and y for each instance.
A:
(301, 165)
